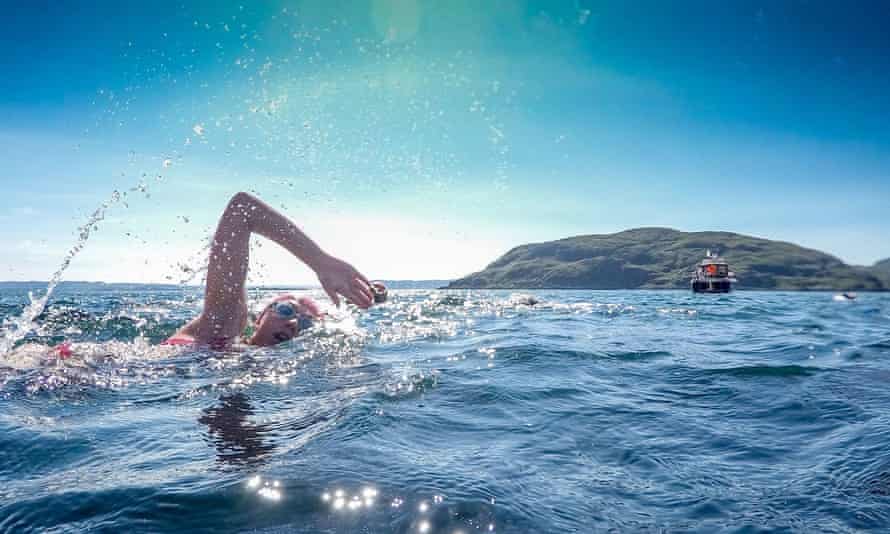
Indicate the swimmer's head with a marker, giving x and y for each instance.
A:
(283, 319)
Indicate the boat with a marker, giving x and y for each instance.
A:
(712, 275)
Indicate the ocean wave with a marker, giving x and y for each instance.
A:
(779, 371)
(585, 410)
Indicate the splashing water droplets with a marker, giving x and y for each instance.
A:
(16, 328)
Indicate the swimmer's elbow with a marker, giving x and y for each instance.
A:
(240, 199)
(238, 212)
(240, 206)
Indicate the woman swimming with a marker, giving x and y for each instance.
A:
(225, 314)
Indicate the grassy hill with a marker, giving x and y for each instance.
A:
(662, 258)
(882, 270)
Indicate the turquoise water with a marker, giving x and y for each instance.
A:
(456, 412)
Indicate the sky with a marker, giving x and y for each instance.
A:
(422, 140)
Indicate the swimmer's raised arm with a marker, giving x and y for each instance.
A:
(225, 300)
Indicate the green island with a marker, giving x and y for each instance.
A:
(663, 258)
(882, 268)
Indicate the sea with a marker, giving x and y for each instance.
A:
(451, 411)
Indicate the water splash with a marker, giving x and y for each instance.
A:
(16, 328)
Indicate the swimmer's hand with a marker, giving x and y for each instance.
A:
(340, 278)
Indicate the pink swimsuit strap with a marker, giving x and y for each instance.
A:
(63, 350)
(176, 340)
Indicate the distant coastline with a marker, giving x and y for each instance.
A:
(663, 258)
(426, 284)
(641, 258)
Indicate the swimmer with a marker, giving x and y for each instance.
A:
(224, 319)
(225, 314)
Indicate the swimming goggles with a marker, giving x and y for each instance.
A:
(286, 310)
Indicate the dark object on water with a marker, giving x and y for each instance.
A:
(452, 300)
(712, 275)
(525, 300)
(380, 293)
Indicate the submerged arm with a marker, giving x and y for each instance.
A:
(225, 306)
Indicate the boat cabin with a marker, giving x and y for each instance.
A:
(712, 275)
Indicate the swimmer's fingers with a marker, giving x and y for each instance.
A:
(352, 295)
(359, 296)
(340, 278)
(362, 277)
(364, 287)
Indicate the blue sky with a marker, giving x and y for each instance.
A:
(424, 139)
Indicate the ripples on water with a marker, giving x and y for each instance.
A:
(456, 412)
